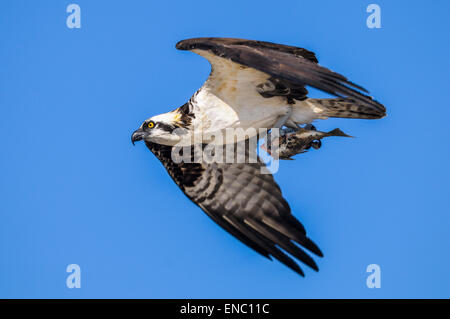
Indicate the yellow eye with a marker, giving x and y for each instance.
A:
(151, 124)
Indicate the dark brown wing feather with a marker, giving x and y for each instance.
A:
(218, 44)
(247, 204)
(285, 63)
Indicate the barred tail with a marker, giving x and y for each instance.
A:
(347, 108)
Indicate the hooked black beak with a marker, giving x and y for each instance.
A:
(137, 135)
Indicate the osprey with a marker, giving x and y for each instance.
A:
(260, 85)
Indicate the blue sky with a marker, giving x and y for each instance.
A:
(74, 190)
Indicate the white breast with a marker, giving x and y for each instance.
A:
(229, 99)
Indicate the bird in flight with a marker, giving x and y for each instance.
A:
(253, 84)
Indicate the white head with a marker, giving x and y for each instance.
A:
(166, 129)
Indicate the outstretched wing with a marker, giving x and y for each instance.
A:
(246, 203)
(288, 68)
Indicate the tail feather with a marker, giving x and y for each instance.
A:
(348, 108)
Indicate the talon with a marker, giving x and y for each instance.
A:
(316, 144)
(286, 131)
(310, 127)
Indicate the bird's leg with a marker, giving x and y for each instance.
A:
(281, 121)
(283, 118)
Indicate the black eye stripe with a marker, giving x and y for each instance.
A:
(165, 127)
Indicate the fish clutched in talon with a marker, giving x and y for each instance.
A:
(293, 142)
